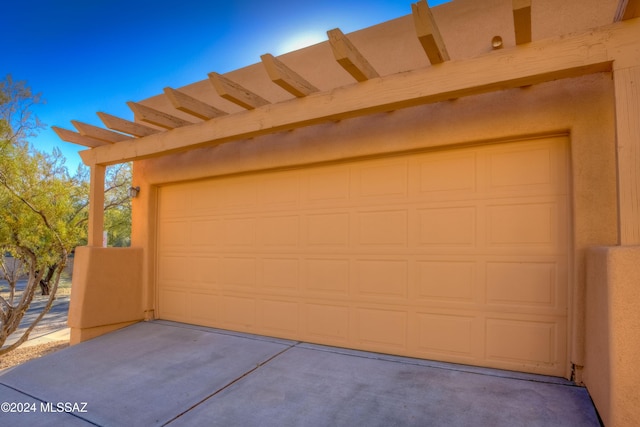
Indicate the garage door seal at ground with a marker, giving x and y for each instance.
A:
(166, 373)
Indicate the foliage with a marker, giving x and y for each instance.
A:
(33, 194)
(44, 210)
(117, 208)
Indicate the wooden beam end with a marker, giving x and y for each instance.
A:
(522, 21)
(428, 33)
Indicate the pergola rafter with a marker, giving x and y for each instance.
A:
(428, 33)
(349, 57)
(286, 78)
(235, 93)
(522, 20)
(190, 105)
(99, 133)
(76, 138)
(156, 117)
(122, 125)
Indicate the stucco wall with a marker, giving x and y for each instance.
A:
(613, 344)
(106, 291)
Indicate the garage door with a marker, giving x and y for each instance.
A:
(457, 255)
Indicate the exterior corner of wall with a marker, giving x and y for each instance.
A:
(78, 284)
(597, 369)
(612, 325)
(624, 276)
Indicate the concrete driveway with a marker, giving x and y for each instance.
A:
(164, 373)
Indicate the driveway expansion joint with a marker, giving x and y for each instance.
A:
(234, 381)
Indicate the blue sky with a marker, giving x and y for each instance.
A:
(95, 55)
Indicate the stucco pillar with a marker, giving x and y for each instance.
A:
(627, 98)
(96, 206)
(612, 344)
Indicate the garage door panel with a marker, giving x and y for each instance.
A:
(328, 186)
(237, 312)
(206, 234)
(527, 342)
(447, 173)
(204, 307)
(383, 227)
(204, 197)
(444, 226)
(520, 167)
(328, 229)
(204, 272)
(239, 231)
(280, 190)
(176, 201)
(238, 272)
(446, 280)
(523, 224)
(381, 278)
(382, 178)
(327, 323)
(175, 235)
(280, 273)
(327, 277)
(446, 333)
(458, 255)
(237, 194)
(283, 231)
(173, 269)
(279, 316)
(522, 283)
(379, 328)
(174, 303)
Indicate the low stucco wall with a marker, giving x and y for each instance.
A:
(612, 333)
(106, 292)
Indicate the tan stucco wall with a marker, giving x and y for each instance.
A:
(613, 342)
(106, 293)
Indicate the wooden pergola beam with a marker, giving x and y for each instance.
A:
(76, 138)
(122, 125)
(522, 20)
(580, 54)
(190, 105)
(349, 57)
(235, 93)
(286, 78)
(156, 117)
(428, 33)
(627, 9)
(96, 132)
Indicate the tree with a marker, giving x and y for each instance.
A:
(33, 229)
(44, 210)
(39, 202)
(117, 208)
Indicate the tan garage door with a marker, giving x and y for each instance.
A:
(456, 255)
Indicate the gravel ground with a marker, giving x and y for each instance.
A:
(23, 354)
(28, 352)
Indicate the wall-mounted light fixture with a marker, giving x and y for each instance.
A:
(496, 43)
(133, 192)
